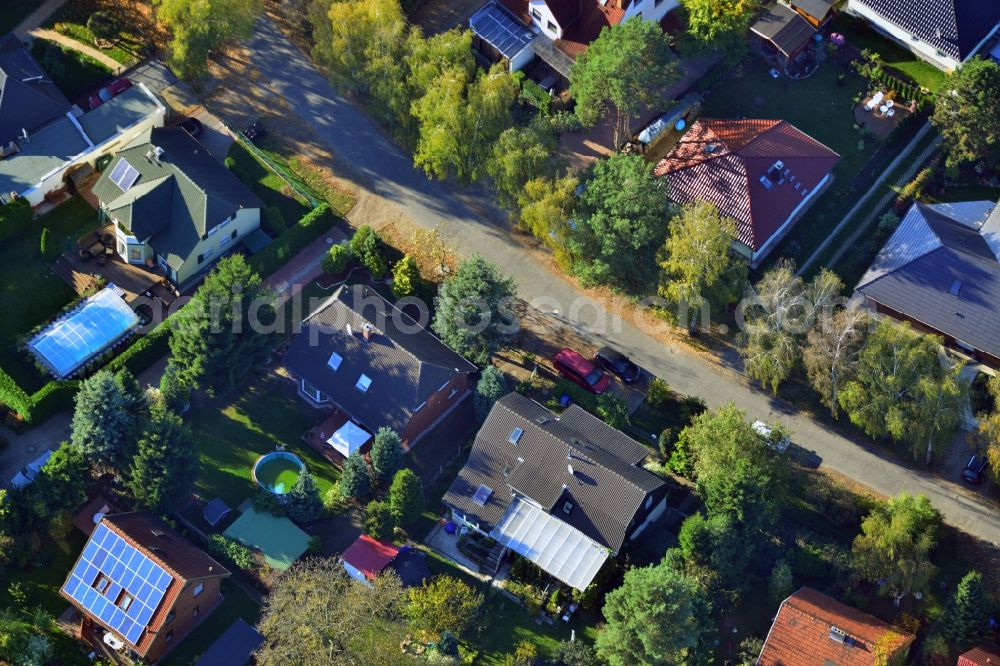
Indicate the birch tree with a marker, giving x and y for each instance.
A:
(831, 353)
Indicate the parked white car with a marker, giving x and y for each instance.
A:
(767, 432)
(30, 471)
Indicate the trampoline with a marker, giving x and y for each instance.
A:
(89, 329)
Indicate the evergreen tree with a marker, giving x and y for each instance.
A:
(61, 485)
(966, 620)
(224, 333)
(491, 387)
(379, 521)
(304, 504)
(366, 246)
(780, 585)
(103, 420)
(387, 454)
(355, 483)
(166, 461)
(406, 280)
(406, 497)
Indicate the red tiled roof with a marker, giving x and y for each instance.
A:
(369, 555)
(593, 18)
(800, 635)
(986, 654)
(722, 161)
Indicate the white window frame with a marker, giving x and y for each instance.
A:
(314, 393)
(364, 383)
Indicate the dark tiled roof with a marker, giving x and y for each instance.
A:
(940, 269)
(785, 28)
(28, 98)
(406, 363)
(818, 9)
(233, 647)
(800, 634)
(723, 161)
(567, 11)
(604, 485)
(955, 27)
(178, 197)
(163, 545)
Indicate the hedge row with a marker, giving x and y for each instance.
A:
(144, 352)
(15, 218)
(313, 224)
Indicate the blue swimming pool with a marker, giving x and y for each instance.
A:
(83, 333)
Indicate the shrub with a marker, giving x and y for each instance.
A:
(144, 352)
(230, 164)
(315, 545)
(367, 247)
(536, 96)
(613, 411)
(691, 406)
(14, 397)
(312, 225)
(333, 503)
(405, 277)
(240, 555)
(274, 222)
(935, 651)
(104, 25)
(45, 244)
(666, 442)
(337, 259)
(379, 521)
(564, 121)
(888, 221)
(53, 397)
(15, 218)
(265, 502)
(576, 394)
(658, 392)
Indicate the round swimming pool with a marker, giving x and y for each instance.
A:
(276, 472)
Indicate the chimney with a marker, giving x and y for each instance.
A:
(350, 331)
(366, 331)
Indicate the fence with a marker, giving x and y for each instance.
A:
(279, 170)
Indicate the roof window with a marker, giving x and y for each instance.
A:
(482, 495)
(364, 381)
(515, 435)
(334, 361)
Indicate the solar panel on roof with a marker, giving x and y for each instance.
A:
(137, 584)
(493, 24)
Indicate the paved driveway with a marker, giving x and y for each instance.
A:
(385, 170)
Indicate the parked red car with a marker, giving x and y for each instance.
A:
(579, 370)
(109, 91)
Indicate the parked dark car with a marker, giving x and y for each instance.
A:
(107, 92)
(192, 126)
(574, 367)
(254, 131)
(974, 470)
(618, 364)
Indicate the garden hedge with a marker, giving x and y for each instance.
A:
(15, 218)
(313, 224)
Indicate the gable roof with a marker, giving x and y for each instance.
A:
(785, 28)
(984, 654)
(803, 633)
(818, 9)
(370, 556)
(405, 362)
(234, 647)
(942, 267)
(573, 458)
(28, 98)
(956, 27)
(177, 197)
(726, 162)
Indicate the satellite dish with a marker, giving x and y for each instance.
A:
(680, 124)
(98, 517)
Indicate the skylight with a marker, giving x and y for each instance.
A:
(483, 493)
(335, 361)
(124, 175)
(515, 435)
(364, 381)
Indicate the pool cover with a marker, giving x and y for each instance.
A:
(96, 324)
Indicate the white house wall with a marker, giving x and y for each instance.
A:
(522, 59)
(649, 9)
(247, 220)
(542, 20)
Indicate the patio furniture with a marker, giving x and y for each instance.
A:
(890, 112)
(890, 103)
(102, 259)
(882, 109)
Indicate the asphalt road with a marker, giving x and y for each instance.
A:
(380, 165)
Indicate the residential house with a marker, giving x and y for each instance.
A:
(764, 174)
(566, 492)
(140, 587)
(174, 205)
(43, 138)
(984, 654)
(945, 33)
(556, 31)
(812, 629)
(940, 271)
(374, 366)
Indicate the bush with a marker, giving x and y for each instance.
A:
(14, 397)
(53, 397)
(658, 392)
(888, 221)
(691, 406)
(274, 222)
(536, 96)
(45, 244)
(379, 521)
(265, 502)
(104, 25)
(312, 225)
(613, 411)
(240, 555)
(15, 218)
(333, 503)
(406, 277)
(337, 259)
(144, 352)
(666, 442)
(576, 394)
(564, 121)
(231, 165)
(367, 247)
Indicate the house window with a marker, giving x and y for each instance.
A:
(135, 253)
(170, 635)
(453, 393)
(657, 3)
(121, 246)
(552, 26)
(197, 611)
(567, 507)
(124, 601)
(364, 381)
(224, 241)
(536, 14)
(201, 258)
(334, 361)
(208, 253)
(639, 15)
(102, 583)
(234, 234)
(197, 589)
(213, 230)
(170, 617)
(162, 261)
(313, 392)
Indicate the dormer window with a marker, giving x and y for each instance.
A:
(567, 507)
(364, 381)
(334, 361)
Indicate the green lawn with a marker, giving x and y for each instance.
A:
(233, 433)
(861, 35)
(71, 20)
(30, 293)
(73, 72)
(235, 605)
(267, 185)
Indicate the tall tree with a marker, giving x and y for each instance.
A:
(901, 389)
(831, 353)
(657, 616)
(719, 25)
(166, 461)
(197, 27)
(621, 225)
(966, 620)
(895, 544)
(355, 484)
(473, 309)
(303, 502)
(317, 615)
(367, 247)
(103, 423)
(698, 267)
(406, 280)
(491, 387)
(520, 154)
(966, 113)
(61, 485)
(626, 69)
(986, 438)
(222, 336)
(406, 497)
(387, 454)
(546, 207)
(782, 309)
(444, 604)
(379, 521)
